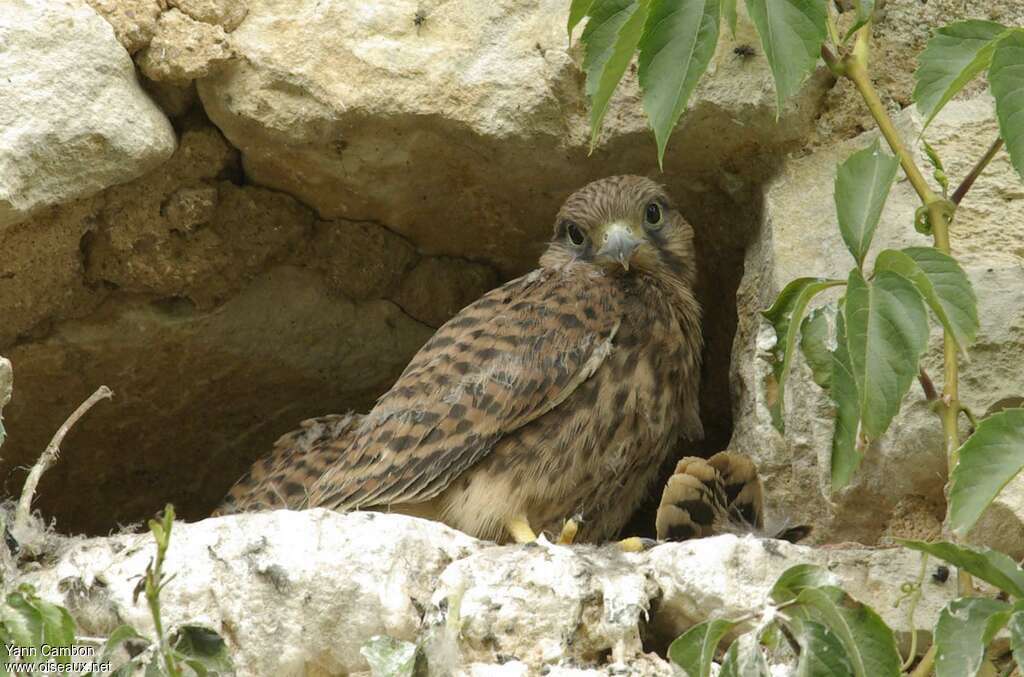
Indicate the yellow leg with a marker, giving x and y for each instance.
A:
(634, 544)
(569, 530)
(520, 529)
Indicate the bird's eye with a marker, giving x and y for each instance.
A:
(576, 235)
(652, 214)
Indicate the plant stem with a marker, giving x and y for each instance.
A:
(49, 455)
(927, 663)
(855, 68)
(976, 171)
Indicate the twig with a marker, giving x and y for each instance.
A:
(50, 455)
(927, 385)
(976, 171)
(970, 417)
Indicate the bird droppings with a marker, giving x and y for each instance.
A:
(471, 606)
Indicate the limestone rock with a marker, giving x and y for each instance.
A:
(305, 591)
(199, 394)
(184, 49)
(73, 119)
(434, 127)
(175, 99)
(800, 238)
(360, 260)
(134, 21)
(224, 13)
(437, 288)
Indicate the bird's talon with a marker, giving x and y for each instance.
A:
(636, 544)
(569, 531)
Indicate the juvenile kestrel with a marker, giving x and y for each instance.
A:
(557, 394)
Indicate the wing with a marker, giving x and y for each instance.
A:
(503, 361)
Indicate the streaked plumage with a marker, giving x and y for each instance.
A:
(558, 394)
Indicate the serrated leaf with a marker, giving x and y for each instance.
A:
(577, 12)
(609, 39)
(745, 659)
(729, 15)
(1016, 628)
(886, 331)
(989, 565)
(792, 32)
(989, 459)
(795, 579)
(814, 337)
(846, 457)
(943, 285)
(1006, 78)
(678, 41)
(964, 629)
(869, 643)
(953, 57)
(694, 650)
(785, 316)
(861, 188)
(821, 652)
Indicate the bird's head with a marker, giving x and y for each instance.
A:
(627, 225)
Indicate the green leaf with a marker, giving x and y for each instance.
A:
(119, 636)
(609, 40)
(1016, 628)
(796, 579)
(729, 14)
(953, 57)
(792, 32)
(202, 648)
(846, 457)
(785, 316)
(390, 657)
(1006, 79)
(694, 649)
(677, 44)
(862, 186)
(887, 329)
(989, 565)
(814, 346)
(577, 11)
(58, 626)
(22, 620)
(943, 286)
(936, 162)
(964, 629)
(869, 643)
(989, 459)
(821, 652)
(864, 9)
(745, 659)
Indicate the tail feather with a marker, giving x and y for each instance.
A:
(284, 477)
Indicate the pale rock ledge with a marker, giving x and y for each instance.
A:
(299, 593)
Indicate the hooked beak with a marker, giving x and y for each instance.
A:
(619, 243)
